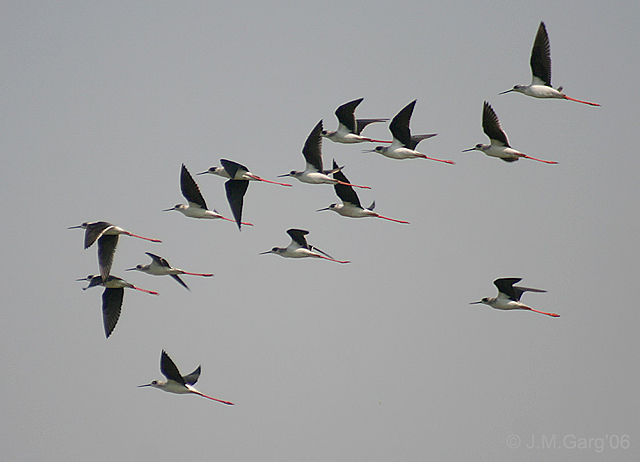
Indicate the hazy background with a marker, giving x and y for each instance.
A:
(379, 360)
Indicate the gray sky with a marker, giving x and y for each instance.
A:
(379, 360)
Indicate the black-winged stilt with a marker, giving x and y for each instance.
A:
(540, 61)
(349, 128)
(196, 207)
(161, 267)
(299, 248)
(177, 383)
(499, 143)
(509, 296)
(234, 171)
(350, 206)
(112, 298)
(107, 236)
(312, 152)
(404, 144)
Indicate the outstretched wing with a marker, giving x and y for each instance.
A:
(361, 123)
(169, 369)
(180, 281)
(192, 378)
(541, 58)
(298, 236)
(344, 192)
(232, 167)
(518, 291)
(312, 150)
(94, 231)
(111, 307)
(415, 139)
(236, 190)
(491, 125)
(106, 250)
(505, 286)
(190, 189)
(158, 260)
(399, 126)
(346, 115)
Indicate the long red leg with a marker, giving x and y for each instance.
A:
(354, 185)
(580, 101)
(256, 177)
(539, 160)
(392, 219)
(142, 237)
(212, 398)
(332, 259)
(233, 221)
(145, 290)
(199, 274)
(555, 315)
(439, 160)
(377, 141)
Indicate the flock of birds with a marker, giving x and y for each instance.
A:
(403, 146)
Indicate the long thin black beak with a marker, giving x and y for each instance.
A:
(467, 150)
(368, 150)
(202, 173)
(474, 303)
(326, 208)
(169, 210)
(286, 174)
(131, 269)
(147, 385)
(74, 227)
(503, 92)
(264, 253)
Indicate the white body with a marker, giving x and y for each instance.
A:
(314, 177)
(114, 231)
(349, 210)
(502, 152)
(342, 135)
(398, 151)
(540, 91)
(195, 211)
(175, 387)
(247, 176)
(297, 252)
(158, 270)
(506, 304)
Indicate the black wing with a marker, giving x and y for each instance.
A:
(361, 123)
(505, 285)
(190, 189)
(415, 139)
(192, 378)
(111, 307)
(346, 116)
(232, 167)
(169, 369)
(518, 291)
(179, 281)
(298, 236)
(541, 56)
(311, 247)
(94, 231)
(236, 190)
(159, 260)
(312, 150)
(344, 192)
(399, 126)
(491, 125)
(106, 249)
